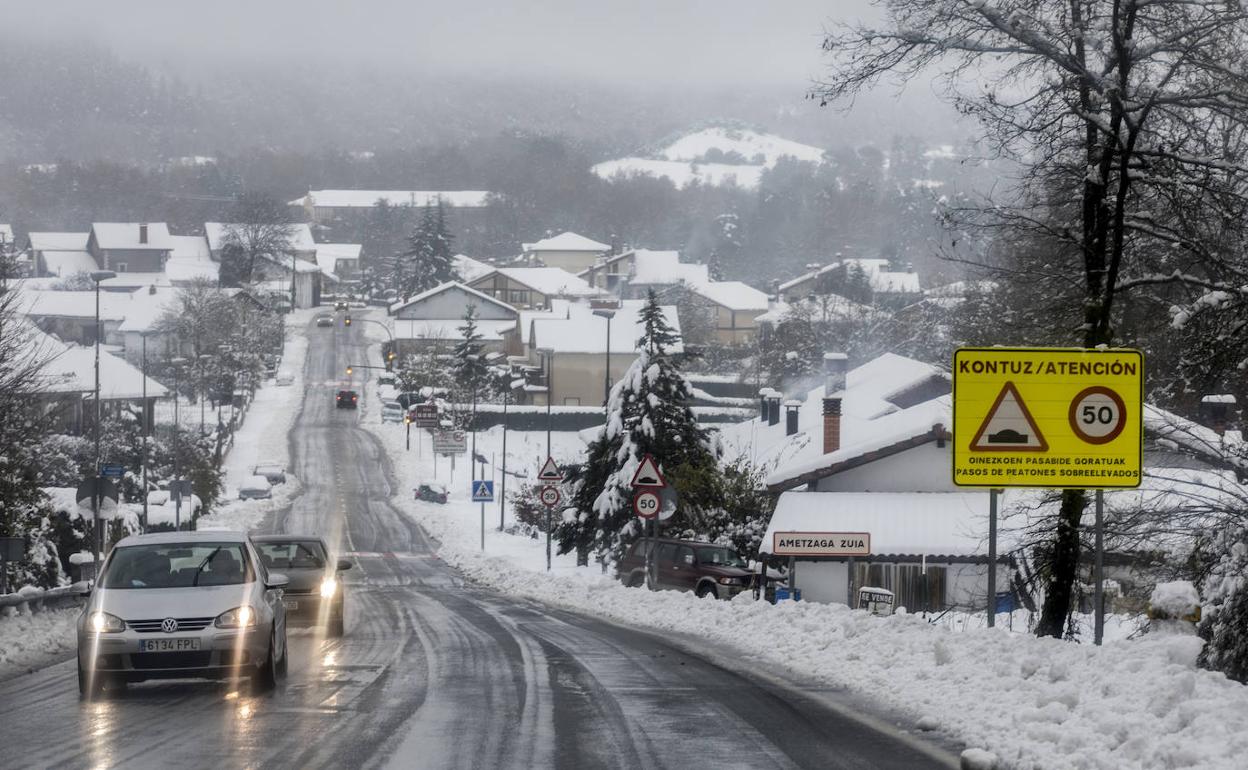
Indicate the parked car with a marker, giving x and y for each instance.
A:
(324, 320)
(431, 493)
(255, 488)
(387, 378)
(409, 398)
(392, 411)
(176, 605)
(285, 379)
(274, 474)
(347, 399)
(686, 565)
(315, 594)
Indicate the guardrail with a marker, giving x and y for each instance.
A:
(37, 601)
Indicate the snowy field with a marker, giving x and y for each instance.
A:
(1137, 702)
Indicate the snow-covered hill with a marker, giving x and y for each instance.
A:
(713, 156)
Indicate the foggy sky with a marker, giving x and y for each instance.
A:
(641, 41)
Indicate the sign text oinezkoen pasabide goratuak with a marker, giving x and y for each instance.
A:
(1047, 417)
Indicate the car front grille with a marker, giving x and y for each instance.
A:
(154, 660)
(297, 591)
(154, 626)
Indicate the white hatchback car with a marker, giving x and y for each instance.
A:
(178, 605)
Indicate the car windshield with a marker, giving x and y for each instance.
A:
(178, 565)
(720, 557)
(307, 554)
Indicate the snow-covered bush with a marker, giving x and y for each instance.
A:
(1224, 626)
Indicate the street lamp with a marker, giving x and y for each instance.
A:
(606, 387)
(548, 355)
(176, 364)
(147, 417)
(97, 276)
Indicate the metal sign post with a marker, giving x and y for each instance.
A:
(482, 492)
(1099, 600)
(992, 557)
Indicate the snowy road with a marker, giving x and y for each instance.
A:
(437, 673)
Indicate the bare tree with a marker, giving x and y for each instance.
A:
(260, 225)
(1125, 120)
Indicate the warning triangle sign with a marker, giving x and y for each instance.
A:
(1009, 426)
(550, 471)
(648, 475)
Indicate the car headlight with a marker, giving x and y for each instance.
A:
(727, 581)
(328, 587)
(104, 623)
(239, 617)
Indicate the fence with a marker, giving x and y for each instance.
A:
(33, 600)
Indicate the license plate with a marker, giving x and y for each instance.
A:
(177, 644)
(290, 605)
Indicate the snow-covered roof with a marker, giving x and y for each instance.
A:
(469, 269)
(338, 250)
(1192, 437)
(300, 235)
(367, 199)
(442, 287)
(187, 269)
(146, 308)
(75, 304)
(551, 281)
(580, 331)
(190, 247)
(880, 278)
(665, 267)
(6, 233)
(733, 295)
(300, 265)
(125, 235)
(567, 241)
(44, 241)
(834, 305)
(128, 281)
(65, 263)
(866, 398)
(72, 370)
(900, 523)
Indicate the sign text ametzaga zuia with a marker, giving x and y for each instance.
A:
(1047, 417)
(821, 544)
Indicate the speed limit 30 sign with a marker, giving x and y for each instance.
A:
(1047, 417)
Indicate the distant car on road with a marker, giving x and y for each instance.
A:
(687, 565)
(392, 411)
(284, 379)
(340, 305)
(315, 594)
(347, 399)
(255, 488)
(177, 605)
(274, 474)
(324, 320)
(432, 493)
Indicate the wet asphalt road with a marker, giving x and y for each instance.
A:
(437, 673)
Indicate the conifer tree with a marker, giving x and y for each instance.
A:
(470, 370)
(427, 261)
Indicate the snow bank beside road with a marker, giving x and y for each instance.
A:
(30, 641)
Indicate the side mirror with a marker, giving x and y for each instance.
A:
(276, 580)
(344, 564)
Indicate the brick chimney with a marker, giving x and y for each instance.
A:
(834, 365)
(143, 233)
(791, 408)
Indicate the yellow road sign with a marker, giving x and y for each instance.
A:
(1047, 417)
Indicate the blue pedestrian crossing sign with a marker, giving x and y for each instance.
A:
(483, 491)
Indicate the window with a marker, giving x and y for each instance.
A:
(911, 588)
(178, 565)
(570, 401)
(519, 297)
(122, 267)
(684, 556)
(306, 555)
(667, 553)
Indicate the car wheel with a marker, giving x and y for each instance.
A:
(336, 626)
(282, 665)
(87, 688)
(265, 678)
(636, 580)
(706, 589)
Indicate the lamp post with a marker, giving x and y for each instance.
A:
(202, 359)
(606, 385)
(177, 364)
(147, 416)
(548, 355)
(97, 276)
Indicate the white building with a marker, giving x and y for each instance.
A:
(568, 251)
(436, 316)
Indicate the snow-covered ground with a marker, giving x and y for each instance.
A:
(28, 641)
(1137, 702)
(263, 437)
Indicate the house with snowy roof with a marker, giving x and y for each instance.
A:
(435, 317)
(632, 273)
(299, 240)
(528, 288)
(566, 351)
(339, 261)
(59, 254)
(191, 261)
(736, 308)
(889, 286)
(567, 251)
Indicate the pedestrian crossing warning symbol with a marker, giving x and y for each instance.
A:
(483, 491)
(1008, 426)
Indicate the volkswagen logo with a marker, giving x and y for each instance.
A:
(169, 625)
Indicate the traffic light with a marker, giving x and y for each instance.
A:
(346, 321)
(349, 371)
(407, 419)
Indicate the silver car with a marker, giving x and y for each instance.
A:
(180, 605)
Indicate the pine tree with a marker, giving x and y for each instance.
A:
(427, 261)
(470, 370)
(648, 413)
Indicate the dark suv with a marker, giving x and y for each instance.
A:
(686, 565)
(347, 399)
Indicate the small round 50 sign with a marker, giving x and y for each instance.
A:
(646, 504)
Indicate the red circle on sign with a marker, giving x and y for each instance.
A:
(549, 496)
(646, 504)
(1107, 395)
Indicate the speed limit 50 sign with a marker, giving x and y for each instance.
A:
(1047, 417)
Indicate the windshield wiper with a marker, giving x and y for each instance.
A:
(200, 569)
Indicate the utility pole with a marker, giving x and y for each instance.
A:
(502, 495)
(97, 276)
(147, 416)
